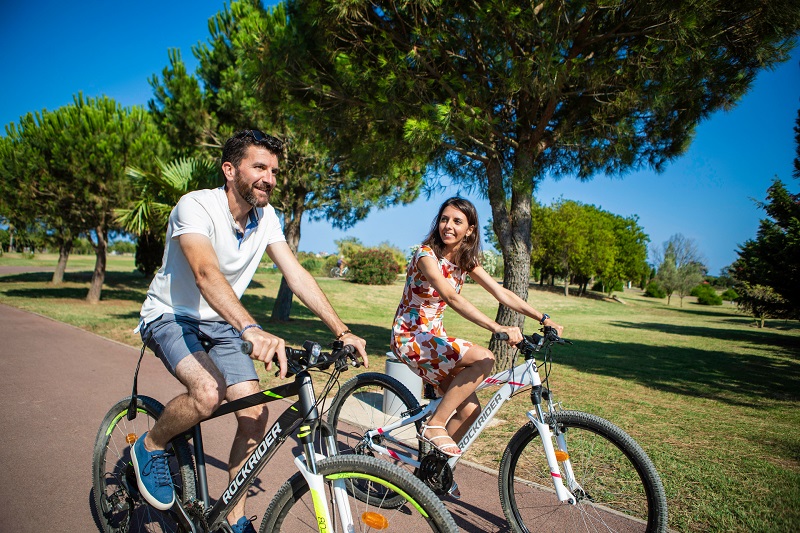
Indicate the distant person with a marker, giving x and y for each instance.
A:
(455, 366)
(215, 240)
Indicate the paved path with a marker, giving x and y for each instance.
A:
(57, 382)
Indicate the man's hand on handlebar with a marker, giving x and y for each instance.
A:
(267, 348)
(359, 344)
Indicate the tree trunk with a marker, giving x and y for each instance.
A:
(63, 254)
(282, 309)
(566, 285)
(513, 229)
(99, 274)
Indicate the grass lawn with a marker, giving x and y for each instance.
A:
(712, 399)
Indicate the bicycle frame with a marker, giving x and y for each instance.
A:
(302, 416)
(510, 381)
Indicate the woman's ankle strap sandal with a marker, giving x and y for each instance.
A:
(443, 448)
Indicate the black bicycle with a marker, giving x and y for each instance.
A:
(347, 493)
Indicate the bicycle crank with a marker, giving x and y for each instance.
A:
(436, 473)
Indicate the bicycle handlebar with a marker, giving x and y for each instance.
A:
(312, 356)
(535, 342)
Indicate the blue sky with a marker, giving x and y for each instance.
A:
(52, 50)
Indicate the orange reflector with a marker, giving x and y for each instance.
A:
(130, 438)
(561, 455)
(375, 520)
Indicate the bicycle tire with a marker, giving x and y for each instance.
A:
(622, 489)
(292, 508)
(118, 505)
(359, 406)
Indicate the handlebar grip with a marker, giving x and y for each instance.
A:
(247, 347)
(500, 336)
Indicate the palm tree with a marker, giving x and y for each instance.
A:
(157, 194)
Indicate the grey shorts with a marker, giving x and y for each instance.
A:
(174, 337)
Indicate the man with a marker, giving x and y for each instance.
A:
(215, 240)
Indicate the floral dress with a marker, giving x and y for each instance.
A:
(418, 336)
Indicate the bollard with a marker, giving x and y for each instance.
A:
(406, 376)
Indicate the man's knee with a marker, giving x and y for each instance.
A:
(207, 395)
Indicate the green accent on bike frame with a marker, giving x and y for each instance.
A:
(305, 431)
(272, 394)
(317, 498)
(116, 419)
(380, 481)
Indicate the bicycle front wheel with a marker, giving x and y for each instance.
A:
(119, 506)
(292, 509)
(619, 488)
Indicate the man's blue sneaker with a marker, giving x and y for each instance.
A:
(243, 525)
(152, 475)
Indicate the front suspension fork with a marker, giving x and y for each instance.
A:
(537, 417)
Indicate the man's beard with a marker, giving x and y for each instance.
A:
(247, 192)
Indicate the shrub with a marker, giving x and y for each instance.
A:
(373, 267)
(729, 295)
(149, 253)
(706, 295)
(604, 287)
(654, 290)
(313, 265)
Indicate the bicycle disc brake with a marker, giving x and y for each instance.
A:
(436, 473)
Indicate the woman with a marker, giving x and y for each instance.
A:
(435, 276)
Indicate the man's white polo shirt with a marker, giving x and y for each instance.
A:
(173, 289)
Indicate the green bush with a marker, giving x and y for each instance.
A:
(313, 265)
(729, 295)
(602, 286)
(654, 290)
(706, 295)
(373, 266)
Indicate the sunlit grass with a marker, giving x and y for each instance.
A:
(712, 399)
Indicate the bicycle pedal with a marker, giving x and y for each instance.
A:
(454, 492)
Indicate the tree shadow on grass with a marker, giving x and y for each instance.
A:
(730, 378)
(77, 293)
(762, 337)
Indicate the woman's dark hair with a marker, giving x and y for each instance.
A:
(469, 253)
(236, 147)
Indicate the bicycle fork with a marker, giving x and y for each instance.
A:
(316, 484)
(553, 456)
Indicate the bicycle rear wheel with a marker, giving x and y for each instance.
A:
(119, 506)
(292, 509)
(621, 490)
(369, 401)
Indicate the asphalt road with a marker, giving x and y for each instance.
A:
(56, 384)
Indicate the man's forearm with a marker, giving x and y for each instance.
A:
(219, 294)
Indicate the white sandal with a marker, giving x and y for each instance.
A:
(443, 447)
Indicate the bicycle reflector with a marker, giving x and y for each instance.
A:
(561, 455)
(374, 520)
(130, 438)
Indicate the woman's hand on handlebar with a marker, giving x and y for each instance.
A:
(267, 348)
(559, 329)
(513, 335)
(359, 344)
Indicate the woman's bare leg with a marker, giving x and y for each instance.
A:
(473, 368)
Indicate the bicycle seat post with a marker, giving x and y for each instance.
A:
(200, 465)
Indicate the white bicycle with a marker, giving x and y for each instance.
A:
(563, 470)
